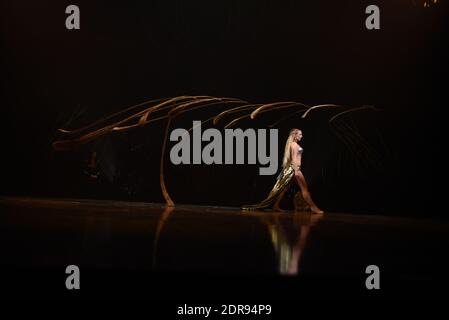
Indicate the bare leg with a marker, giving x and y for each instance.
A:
(276, 204)
(305, 192)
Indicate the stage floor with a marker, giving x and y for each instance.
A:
(129, 248)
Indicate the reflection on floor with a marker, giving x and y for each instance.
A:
(136, 244)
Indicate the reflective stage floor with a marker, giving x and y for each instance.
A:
(128, 249)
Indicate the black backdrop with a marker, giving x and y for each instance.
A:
(262, 51)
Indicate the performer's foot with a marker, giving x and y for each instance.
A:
(278, 209)
(315, 209)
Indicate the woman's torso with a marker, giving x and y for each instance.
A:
(296, 156)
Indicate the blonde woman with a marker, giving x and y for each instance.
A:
(291, 173)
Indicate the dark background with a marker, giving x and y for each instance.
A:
(261, 51)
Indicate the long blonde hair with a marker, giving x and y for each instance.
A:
(287, 152)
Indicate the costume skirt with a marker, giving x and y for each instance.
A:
(283, 183)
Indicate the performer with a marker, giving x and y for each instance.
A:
(290, 174)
